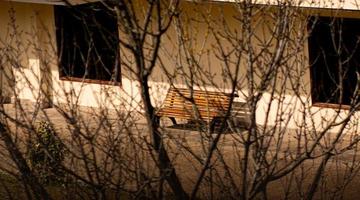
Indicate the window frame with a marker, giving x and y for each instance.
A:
(64, 77)
(315, 101)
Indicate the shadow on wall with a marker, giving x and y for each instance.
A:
(7, 81)
(25, 50)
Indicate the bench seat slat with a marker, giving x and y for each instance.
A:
(199, 106)
(209, 104)
(187, 112)
(200, 92)
(197, 101)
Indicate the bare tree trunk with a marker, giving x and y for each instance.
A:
(167, 169)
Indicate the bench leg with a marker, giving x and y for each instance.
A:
(157, 121)
(173, 120)
(213, 124)
(218, 121)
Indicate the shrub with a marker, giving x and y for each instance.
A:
(46, 154)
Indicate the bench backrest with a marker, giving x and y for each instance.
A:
(178, 103)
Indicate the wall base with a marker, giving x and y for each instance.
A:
(43, 105)
(4, 100)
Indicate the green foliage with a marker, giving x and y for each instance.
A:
(46, 154)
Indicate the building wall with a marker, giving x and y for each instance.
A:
(328, 4)
(18, 57)
(32, 71)
(37, 76)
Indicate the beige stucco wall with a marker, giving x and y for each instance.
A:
(36, 24)
(35, 48)
(331, 4)
(17, 37)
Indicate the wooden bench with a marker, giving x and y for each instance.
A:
(203, 106)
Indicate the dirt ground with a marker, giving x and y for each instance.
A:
(188, 169)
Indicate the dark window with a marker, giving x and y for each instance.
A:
(87, 41)
(334, 57)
